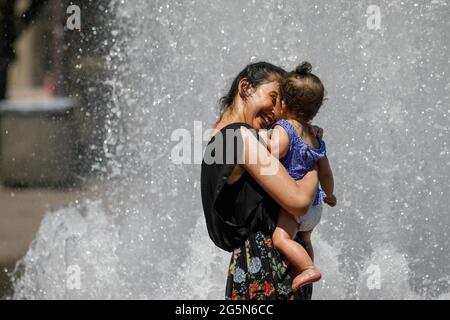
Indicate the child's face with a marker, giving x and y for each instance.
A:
(278, 109)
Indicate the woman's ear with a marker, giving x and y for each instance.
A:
(244, 88)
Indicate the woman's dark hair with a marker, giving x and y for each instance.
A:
(303, 92)
(256, 74)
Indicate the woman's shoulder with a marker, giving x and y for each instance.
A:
(234, 134)
(234, 126)
(230, 129)
(226, 145)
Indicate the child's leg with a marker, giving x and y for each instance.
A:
(296, 254)
(306, 237)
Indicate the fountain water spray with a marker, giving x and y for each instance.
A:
(386, 123)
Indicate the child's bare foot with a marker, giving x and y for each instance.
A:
(306, 277)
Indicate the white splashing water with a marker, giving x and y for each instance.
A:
(386, 124)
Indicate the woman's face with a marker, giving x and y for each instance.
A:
(263, 102)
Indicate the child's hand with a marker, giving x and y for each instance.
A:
(331, 200)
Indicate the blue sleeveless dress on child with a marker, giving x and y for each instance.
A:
(299, 160)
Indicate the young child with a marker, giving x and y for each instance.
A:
(294, 142)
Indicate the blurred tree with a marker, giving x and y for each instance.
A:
(11, 27)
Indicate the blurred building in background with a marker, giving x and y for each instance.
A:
(52, 108)
(53, 111)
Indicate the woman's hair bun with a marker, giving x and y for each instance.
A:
(304, 68)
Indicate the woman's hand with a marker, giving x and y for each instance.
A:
(316, 131)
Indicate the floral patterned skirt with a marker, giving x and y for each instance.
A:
(258, 271)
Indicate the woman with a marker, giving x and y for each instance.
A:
(243, 187)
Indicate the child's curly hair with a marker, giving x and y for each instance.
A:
(303, 92)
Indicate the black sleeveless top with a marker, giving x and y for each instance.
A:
(233, 211)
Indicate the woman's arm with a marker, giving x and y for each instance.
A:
(293, 196)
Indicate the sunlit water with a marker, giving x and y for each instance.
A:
(386, 123)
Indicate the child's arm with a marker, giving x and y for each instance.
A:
(326, 181)
(278, 142)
